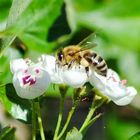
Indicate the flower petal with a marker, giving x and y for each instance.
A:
(48, 62)
(127, 99)
(34, 90)
(112, 87)
(18, 64)
(75, 77)
(111, 73)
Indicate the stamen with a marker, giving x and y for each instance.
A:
(25, 71)
(28, 80)
(27, 61)
(37, 70)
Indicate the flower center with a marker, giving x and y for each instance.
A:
(28, 80)
(37, 70)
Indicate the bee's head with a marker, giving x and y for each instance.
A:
(60, 55)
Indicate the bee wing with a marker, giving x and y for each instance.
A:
(88, 43)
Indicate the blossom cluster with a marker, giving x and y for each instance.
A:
(32, 79)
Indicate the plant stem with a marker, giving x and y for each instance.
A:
(62, 99)
(40, 121)
(89, 116)
(33, 120)
(6, 132)
(92, 120)
(68, 120)
(89, 119)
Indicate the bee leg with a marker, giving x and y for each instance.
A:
(70, 64)
(87, 71)
(66, 64)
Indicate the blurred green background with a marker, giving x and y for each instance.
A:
(29, 28)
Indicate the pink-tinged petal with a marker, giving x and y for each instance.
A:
(112, 87)
(111, 73)
(32, 87)
(17, 65)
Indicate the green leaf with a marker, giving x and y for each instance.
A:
(19, 108)
(34, 43)
(13, 97)
(4, 99)
(7, 133)
(16, 10)
(4, 9)
(74, 134)
(5, 74)
(135, 136)
(35, 23)
(37, 28)
(19, 113)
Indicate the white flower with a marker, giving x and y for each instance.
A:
(48, 62)
(75, 76)
(113, 87)
(18, 64)
(30, 80)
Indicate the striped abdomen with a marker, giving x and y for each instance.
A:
(97, 62)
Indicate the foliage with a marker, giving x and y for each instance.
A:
(136, 136)
(27, 26)
(74, 135)
(115, 124)
(7, 133)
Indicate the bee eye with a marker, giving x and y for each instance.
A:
(60, 56)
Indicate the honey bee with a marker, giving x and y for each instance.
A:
(81, 54)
